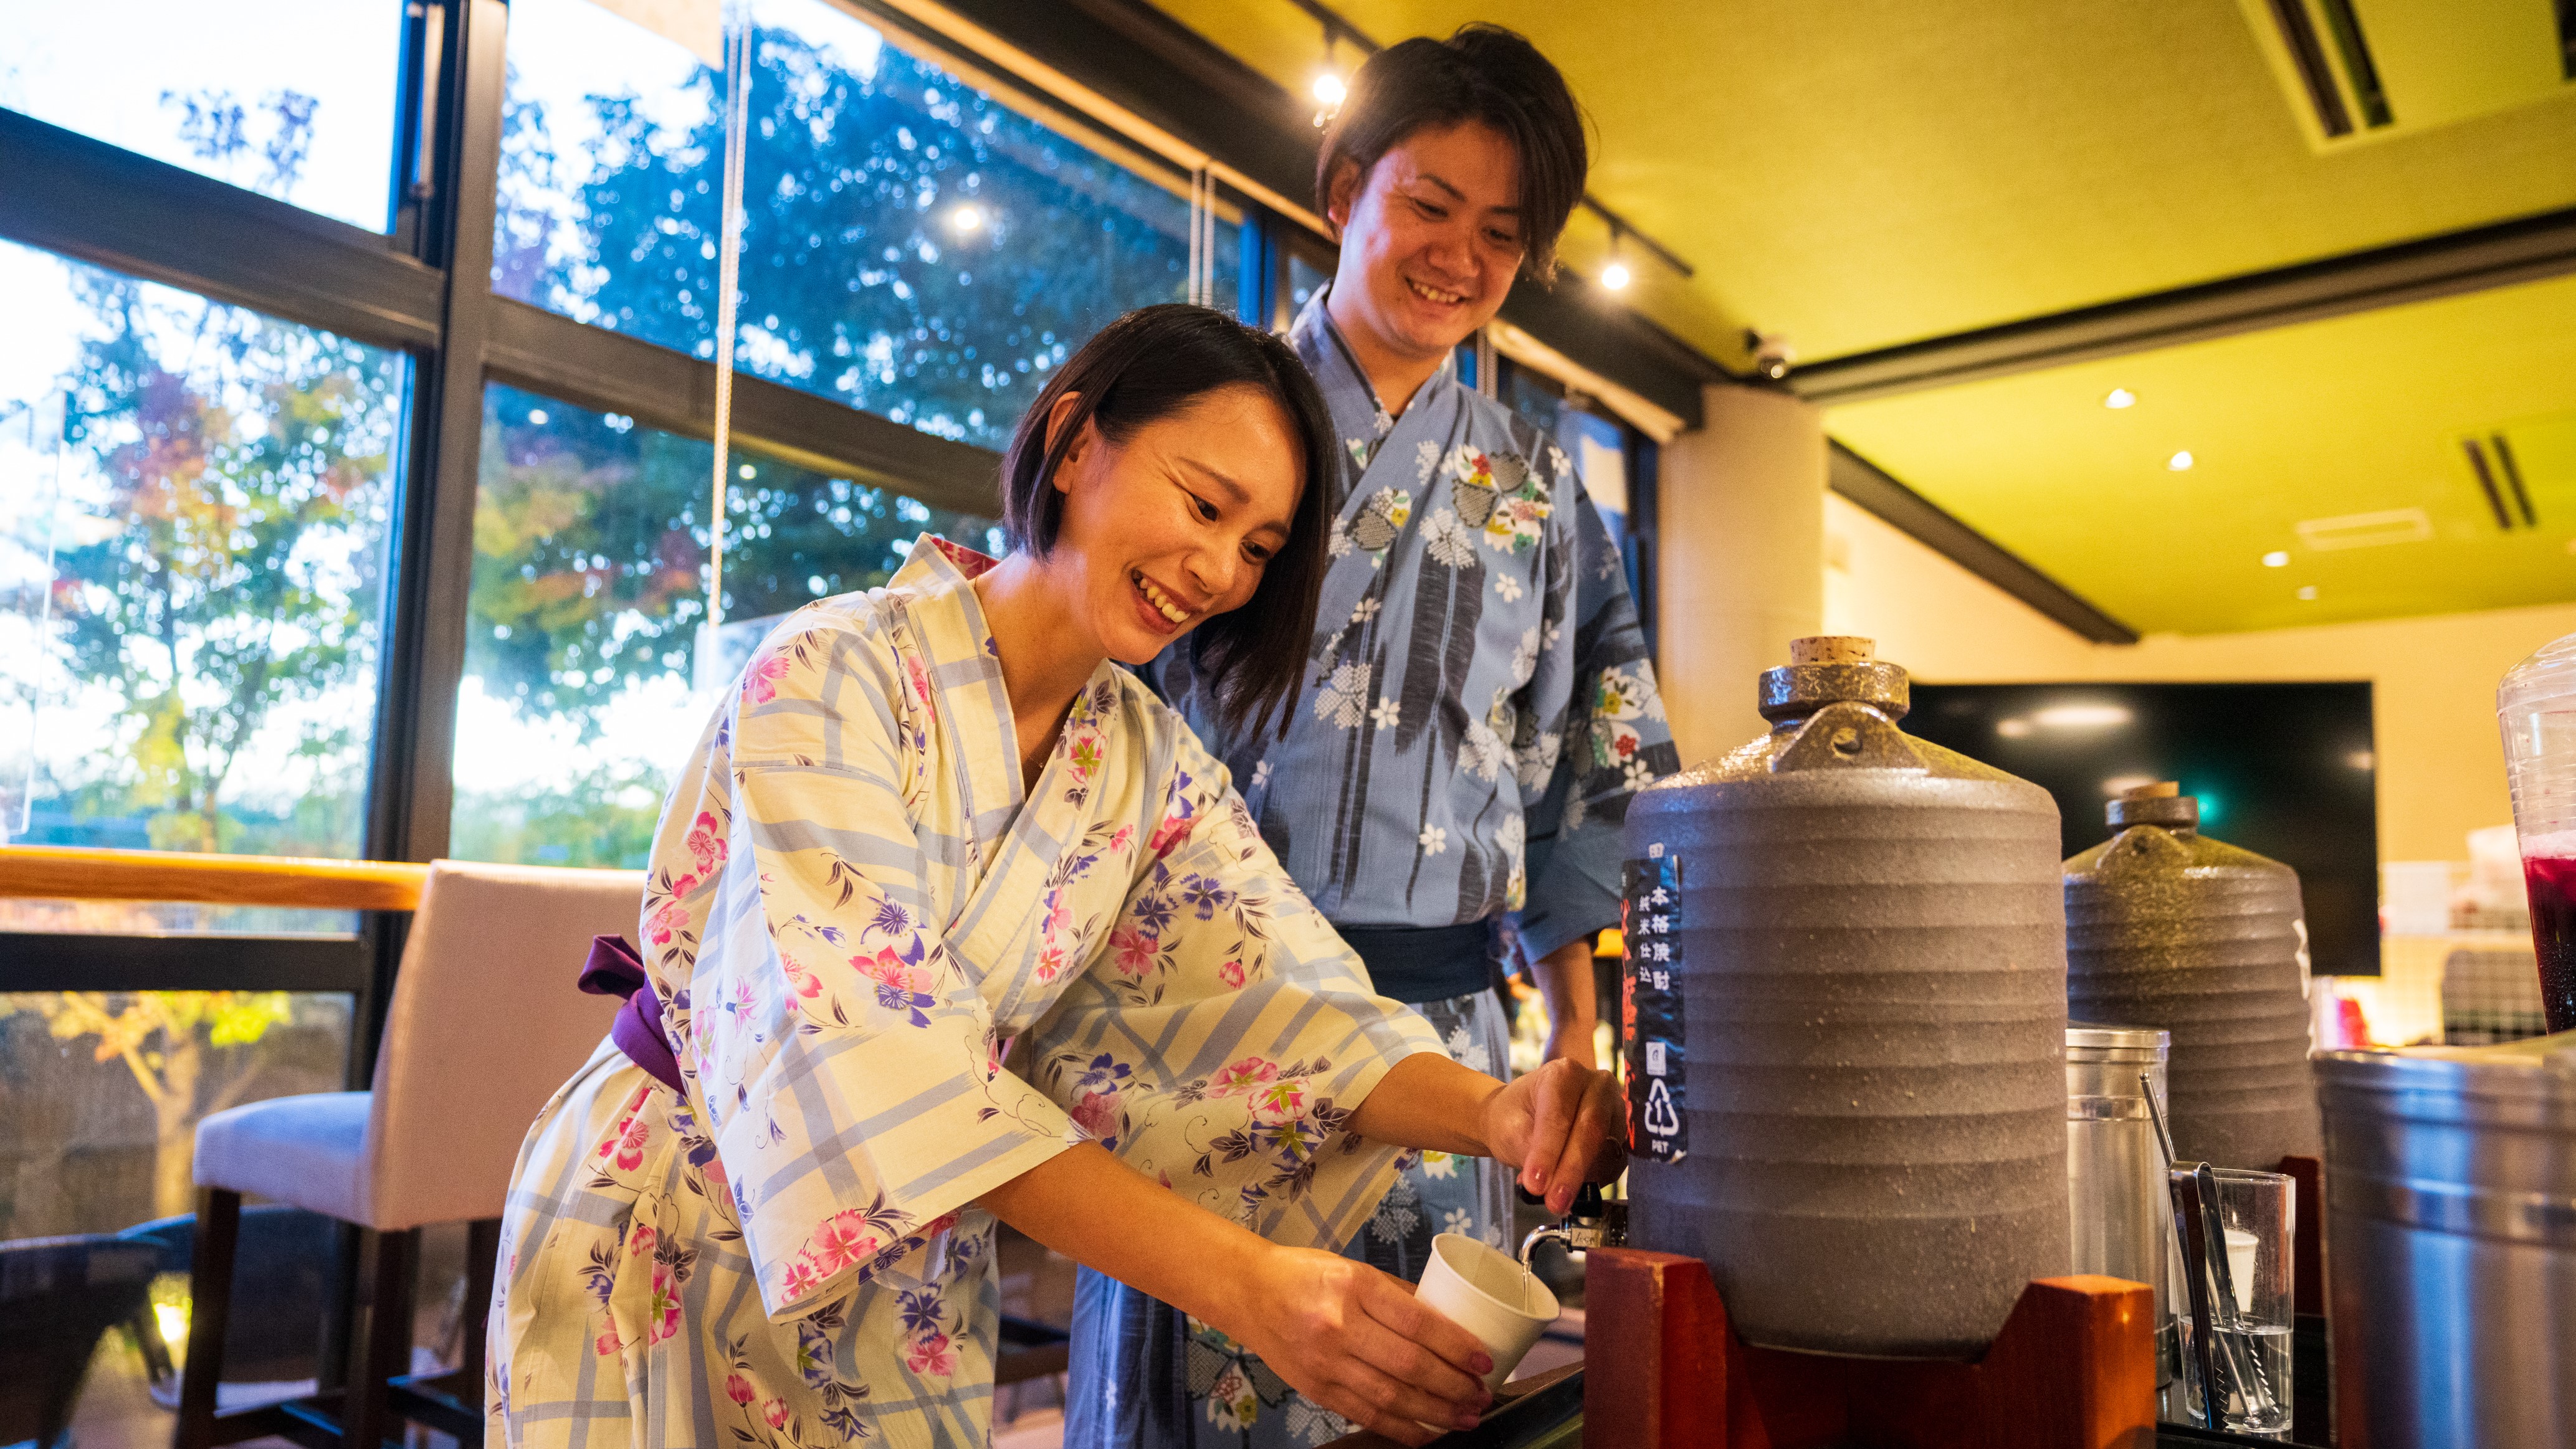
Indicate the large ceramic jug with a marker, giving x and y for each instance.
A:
(1847, 1069)
(2166, 927)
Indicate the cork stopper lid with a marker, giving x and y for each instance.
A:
(1828, 668)
(2161, 803)
(1833, 649)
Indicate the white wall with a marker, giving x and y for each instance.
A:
(2441, 765)
(1739, 556)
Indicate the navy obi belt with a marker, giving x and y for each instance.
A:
(1414, 964)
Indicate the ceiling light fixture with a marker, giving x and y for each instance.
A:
(2120, 397)
(1614, 273)
(2180, 462)
(1328, 88)
(2278, 558)
(2082, 716)
(967, 218)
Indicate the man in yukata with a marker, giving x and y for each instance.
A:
(1479, 704)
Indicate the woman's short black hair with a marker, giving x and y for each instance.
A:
(1481, 73)
(1148, 365)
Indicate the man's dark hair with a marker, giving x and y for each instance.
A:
(1481, 73)
(1148, 365)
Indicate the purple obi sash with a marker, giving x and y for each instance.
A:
(615, 970)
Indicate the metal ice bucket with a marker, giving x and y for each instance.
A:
(2116, 1200)
(2451, 1243)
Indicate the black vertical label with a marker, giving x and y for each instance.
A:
(1650, 918)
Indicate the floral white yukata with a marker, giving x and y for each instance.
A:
(893, 984)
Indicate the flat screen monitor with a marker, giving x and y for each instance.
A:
(2284, 770)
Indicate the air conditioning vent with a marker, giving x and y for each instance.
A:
(2525, 470)
(2365, 530)
(2298, 32)
(2354, 70)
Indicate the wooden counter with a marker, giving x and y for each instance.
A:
(56, 872)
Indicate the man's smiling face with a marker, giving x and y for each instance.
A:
(1431, 238)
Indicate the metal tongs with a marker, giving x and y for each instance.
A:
(2202, 1239)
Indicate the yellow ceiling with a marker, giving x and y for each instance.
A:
(1863, 174)
(1867, 173)
(2356, 415)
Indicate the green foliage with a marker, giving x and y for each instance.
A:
(602, 818)
(244, 463)
(590, 546)
(858, 280)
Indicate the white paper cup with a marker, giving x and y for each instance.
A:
(1484, 1291)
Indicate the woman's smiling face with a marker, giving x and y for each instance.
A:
(1174, 524)
(1431, 237)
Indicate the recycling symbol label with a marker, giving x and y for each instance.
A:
(1661, 1119)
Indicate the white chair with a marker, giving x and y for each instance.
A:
(485, 1023)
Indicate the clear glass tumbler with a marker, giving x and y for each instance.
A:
(2536, 706)
(2251, 1296)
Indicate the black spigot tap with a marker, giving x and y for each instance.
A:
(1592, 1222)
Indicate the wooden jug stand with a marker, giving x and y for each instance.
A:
(2074, 1368)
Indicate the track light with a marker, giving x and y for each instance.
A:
(1615, 275)
(1329, 89)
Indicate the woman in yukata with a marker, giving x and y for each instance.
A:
(1479, 704)
(950, 920)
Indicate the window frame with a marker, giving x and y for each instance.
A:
(423, 287)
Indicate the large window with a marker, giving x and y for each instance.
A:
(290, 98)
(913, 246)
(104, 1090)
(589, 666)
(193, 512)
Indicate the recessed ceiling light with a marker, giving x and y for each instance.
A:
(1615, 276)
(2179, 461)
(2277, 559)
(968, 217)
(2120, 397)
(2308, 593)
(2082, 716)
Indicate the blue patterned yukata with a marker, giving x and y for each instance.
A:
(1479, 710)
(894, 979)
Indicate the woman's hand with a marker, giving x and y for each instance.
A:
(1359, 1343)
(1346, 1335)
(1562, 1126)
